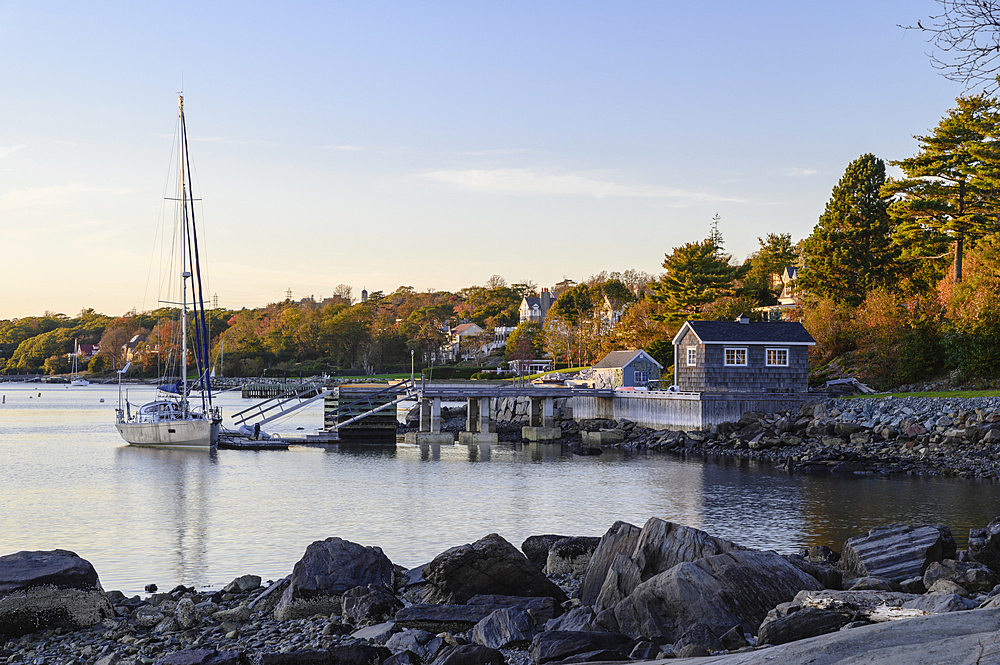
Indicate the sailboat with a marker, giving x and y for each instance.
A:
(74, 378)
(178, 418)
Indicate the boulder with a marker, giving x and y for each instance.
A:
(368, 604)
(469, 654)
(936, 603)
(578, 618)
(542, 608)
(242, 584)
(509, 628)
(970, 575)
(781, 628)
(49, 589)
(424, 644)
(715, 592)
(536, 548)
(380, 632)
(490, 565)
(896, 551)
(570, 556)
(328, 569)
(560, 646)
(984, 544)
(619, 539)
(624, 558)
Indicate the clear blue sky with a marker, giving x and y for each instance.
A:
(433, 144)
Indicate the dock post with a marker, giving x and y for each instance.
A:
(472, 415)
(548, 412)
(425, 414)
(485, 423)
(436, 415)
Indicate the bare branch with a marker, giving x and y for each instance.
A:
(966, 36)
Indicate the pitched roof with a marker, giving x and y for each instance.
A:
(466, 328)
(759, 332)
(623, 358)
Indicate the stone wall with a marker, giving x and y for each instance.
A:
(514, 410)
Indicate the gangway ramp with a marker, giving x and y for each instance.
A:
(281, 405)
(349, 405)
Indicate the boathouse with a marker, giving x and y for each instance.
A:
(628, 369)
(742, 356)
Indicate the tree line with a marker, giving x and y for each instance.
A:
(897, 282)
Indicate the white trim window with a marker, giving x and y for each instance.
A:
(692, 356)
(736, 356)
(640, 377)
(776, 357)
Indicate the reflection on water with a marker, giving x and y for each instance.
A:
(171, 517)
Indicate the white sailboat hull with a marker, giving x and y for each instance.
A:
(171, 434)
(79, 382)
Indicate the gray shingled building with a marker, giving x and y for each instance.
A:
(742, 356)
(633, 368)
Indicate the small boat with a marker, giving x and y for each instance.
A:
(179, 418)
(74, 378)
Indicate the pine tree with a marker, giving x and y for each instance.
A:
(949, 192)
(697, 273)
(850, 251)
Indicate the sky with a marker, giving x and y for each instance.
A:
(433, 144)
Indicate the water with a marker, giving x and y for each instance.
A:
(169, 517)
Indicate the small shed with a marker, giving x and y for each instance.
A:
(632, 368)
(742, 356)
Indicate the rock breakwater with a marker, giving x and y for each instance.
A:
(928, 436)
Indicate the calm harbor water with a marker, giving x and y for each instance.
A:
(187, 517)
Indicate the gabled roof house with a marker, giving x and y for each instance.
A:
(742, 356)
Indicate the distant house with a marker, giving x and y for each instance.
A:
(460, 341)
(88, 351)
(533, 310)
(131, 347)
(787, 300)
(633, 368)
(740, 356)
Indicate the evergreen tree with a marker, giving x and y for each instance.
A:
(697, 274)
(775, 254)
(850, 251)
(949, 192)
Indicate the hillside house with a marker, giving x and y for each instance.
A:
(461, 340)
(740, 356)
(533, 310)
(628, 369)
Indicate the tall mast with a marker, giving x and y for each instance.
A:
(182, 154)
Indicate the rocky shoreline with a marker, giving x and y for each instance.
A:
(658, 591)
(926, 436)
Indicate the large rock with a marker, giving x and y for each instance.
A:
(469, 654)
(424, 644)
(508, 628)
(490, 565)
(328, 569)
(556, 645)
(957, 638)
(620, 539)
(368, 605)
(984, 545)
(971, 576)
(536, 548)
(50, 589)
(571, 556)
(896, 551)
(630, 558)
(781, 627)
(707, 597)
